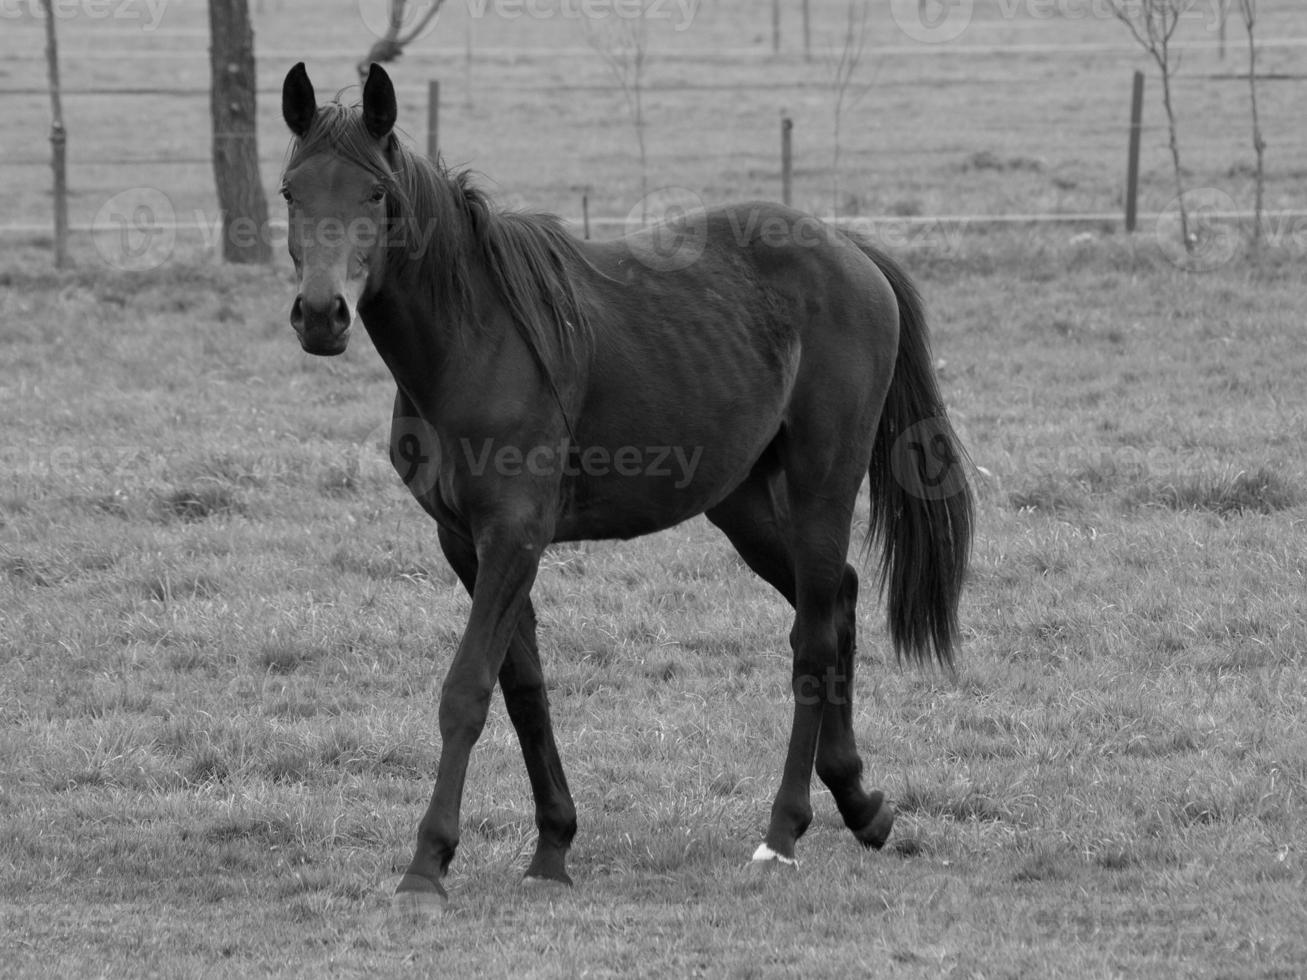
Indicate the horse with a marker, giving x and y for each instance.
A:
(544, 384)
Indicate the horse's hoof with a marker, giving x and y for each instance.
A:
(418, 901)
(765, 859)
(549, 864)
(876, 831)
(417, 908)
(541, 882)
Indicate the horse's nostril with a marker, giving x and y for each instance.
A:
(297, 313)
(340, 313)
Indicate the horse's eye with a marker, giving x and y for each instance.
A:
(378, 194)
(285, 192)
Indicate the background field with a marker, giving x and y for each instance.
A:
(1021, 113)
(223, 624)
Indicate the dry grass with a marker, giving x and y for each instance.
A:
(219, 665)
(223, 625)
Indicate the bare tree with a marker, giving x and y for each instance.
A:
(1153, 24)
(389, 47)
(1248, 10)
(846, 94)
(235, 140)
(623, 43)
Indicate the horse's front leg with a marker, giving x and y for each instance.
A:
(507, 558)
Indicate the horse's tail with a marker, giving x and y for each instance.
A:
(922, 507)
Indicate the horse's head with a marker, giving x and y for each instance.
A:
(336, 184)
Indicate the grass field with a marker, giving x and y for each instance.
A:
(223, 627)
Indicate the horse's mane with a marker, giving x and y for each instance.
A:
(440, 224)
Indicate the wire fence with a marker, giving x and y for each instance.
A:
(1087, 138)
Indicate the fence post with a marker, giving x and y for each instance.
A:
(585, 215)
(433, 119)
(787, 159)
(1132, 166)
(58, 141)
(807, 31)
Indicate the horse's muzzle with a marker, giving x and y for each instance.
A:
(322, 328)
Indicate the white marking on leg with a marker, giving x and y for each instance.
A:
(765, 853)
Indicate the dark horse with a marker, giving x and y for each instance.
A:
(749, 363)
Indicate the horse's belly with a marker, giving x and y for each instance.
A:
(656, 477)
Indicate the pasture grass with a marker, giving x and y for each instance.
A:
(223, 627)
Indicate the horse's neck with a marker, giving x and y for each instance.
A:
(426, 339)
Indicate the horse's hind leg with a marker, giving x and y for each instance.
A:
(756, 519)
(869, 816)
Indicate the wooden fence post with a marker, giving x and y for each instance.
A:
(1132, 166)
(807, 31)
(787, 160)
(58, 141)
(433, 119)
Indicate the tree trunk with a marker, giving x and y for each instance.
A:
(1175, 154)
(235, 143)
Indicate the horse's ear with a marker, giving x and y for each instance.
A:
(379, 109)
(298, 103)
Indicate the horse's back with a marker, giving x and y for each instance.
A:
(712, 336)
